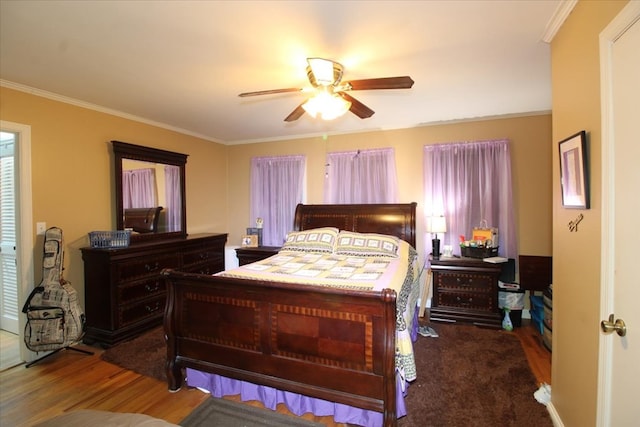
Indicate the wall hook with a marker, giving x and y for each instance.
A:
(573, 225)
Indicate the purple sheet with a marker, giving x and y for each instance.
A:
(299, 404)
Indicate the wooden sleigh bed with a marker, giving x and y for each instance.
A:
(333, 344)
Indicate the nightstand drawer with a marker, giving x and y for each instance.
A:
(467, 300)
(249, 255)
(462, 281)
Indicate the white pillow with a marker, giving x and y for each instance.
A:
(367, 244)
(322, 240)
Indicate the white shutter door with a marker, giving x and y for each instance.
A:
(8, 271)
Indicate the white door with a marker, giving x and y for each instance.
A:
(8, 261)
(619, 376)
(23, 259)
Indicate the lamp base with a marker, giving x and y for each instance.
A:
(435, 248)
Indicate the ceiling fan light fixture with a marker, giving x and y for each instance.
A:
(323, 72)
(327, 106)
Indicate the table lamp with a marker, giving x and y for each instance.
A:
(435, 225)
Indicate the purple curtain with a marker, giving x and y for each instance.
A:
(173, 200)
(277, 186)
(139, 188)
(363, 176)
(469, 182)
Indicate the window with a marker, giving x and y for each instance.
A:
(173, 197)
(277, 186)
(467, 183)
(363, 176)
(139, 188)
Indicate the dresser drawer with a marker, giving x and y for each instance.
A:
(205, 268)
(210, 256)
(132, 291)
(467, 282)
(142, 310)
(146, 267)
(476, 301)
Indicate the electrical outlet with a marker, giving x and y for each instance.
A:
(41, 227)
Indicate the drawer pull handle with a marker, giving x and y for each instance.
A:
(204, 255)
(152, 289)
(152, 309)
(153, 267)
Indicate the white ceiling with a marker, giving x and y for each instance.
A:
(181, 64)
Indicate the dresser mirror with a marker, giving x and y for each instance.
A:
(150, 192)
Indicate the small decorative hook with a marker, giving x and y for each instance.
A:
(573, 225)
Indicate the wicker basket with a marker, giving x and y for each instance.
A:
(472, 252)
(110, 239)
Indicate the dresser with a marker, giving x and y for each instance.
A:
(124, 291)
(465, 290)
(249, 255)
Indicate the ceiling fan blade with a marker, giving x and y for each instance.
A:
(295, 114)
(269, 92)
(403, 82)
(357, 107)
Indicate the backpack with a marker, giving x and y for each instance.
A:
(55, 319)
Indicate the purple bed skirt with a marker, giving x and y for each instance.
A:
(298, 404)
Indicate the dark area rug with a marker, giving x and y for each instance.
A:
(145, 354)
(468, 376)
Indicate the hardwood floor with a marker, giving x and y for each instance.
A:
(71, 380)
(9, 350)
(538, 356)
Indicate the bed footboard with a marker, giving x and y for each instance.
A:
(337, 345)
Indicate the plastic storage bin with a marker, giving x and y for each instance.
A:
(537, 312)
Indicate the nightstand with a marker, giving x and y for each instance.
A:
(249, 255)
(465, 290)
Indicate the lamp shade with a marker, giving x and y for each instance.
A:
(328, 106)
(436, 224)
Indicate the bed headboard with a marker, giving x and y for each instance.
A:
(395, 219)
(142, 220)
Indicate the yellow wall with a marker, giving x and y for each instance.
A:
(531, 169)
(72, 172)
(576, 267)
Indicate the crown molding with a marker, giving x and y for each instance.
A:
(559, 16)
(82, 104)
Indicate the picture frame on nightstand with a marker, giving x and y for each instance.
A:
(255, 231)
(249, 241)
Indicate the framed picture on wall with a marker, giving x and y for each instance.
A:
(574, 174)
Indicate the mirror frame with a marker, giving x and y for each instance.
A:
(124, 150)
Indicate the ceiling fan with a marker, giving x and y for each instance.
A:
(331, 99)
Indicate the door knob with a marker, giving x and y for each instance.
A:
(610, 325)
